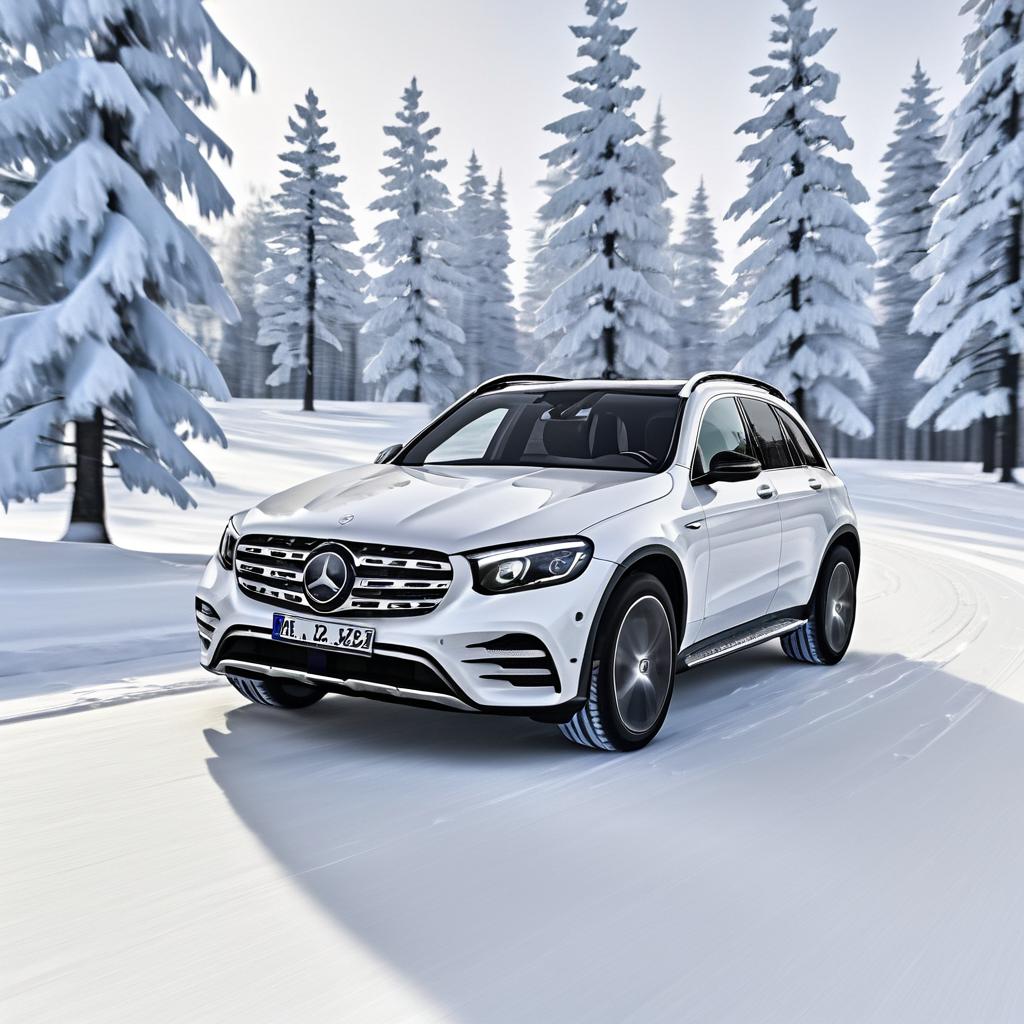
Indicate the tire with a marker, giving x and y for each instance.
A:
(276, 694)
(825, 636)
(632, 672)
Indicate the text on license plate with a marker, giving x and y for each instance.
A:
(339, 635)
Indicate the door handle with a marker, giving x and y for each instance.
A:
(815, 483)
(765, 491)
(695, 525)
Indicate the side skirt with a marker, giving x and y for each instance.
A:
(750, 635)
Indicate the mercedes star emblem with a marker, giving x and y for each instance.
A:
(327, 579)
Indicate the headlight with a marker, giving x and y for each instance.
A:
(530, 565)
(228, 542)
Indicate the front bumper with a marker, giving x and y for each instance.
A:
(465, 654)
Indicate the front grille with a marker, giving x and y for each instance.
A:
(515, 658)
(381, 668)
(390, 580)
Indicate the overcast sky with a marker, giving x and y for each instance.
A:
(493, 74)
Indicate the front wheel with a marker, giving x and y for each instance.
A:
(632, 672)
(825, 636)
(276, 693)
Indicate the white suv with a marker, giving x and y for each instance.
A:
(545, 547)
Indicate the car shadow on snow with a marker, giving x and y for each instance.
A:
(509, 874)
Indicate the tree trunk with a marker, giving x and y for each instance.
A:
(307, 394)
(1009, 376)
(89, 506)
(988, 444)
(1010, 379)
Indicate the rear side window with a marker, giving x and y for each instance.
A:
(809, 455)
(722, 430)
(768, 434)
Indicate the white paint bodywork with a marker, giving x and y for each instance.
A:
(741, 555)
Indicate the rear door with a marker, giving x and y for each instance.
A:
(798, 473)
(743, 523)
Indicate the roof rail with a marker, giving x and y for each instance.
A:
(710, 376)
(508, 379)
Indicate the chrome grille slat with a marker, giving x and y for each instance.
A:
(381, 584)
(270, 571)
(377, 561)
(391, 580)
(268, 552)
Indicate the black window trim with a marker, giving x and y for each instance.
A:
(801, 462)
(796, 457)
(753, 433)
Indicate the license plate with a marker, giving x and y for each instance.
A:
(339, 636)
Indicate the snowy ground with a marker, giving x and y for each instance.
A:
(799, 844)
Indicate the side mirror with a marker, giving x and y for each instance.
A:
(388, 453)
(731, 466)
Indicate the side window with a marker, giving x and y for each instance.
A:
(469, 444)
(722, 430)
(772, 442)
(808, 453)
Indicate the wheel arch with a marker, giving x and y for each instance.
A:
(661, 562)
(847, 537)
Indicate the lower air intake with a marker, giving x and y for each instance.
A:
(515, 658)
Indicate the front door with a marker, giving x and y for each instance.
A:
(743, 524)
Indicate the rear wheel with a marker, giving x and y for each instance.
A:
(632, 672)
(275, 693)
(825, 636)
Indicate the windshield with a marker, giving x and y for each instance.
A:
(580, 429)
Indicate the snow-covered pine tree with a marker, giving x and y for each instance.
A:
(110, 122)
(543, 275)
(499, 315)
(914, 170)
(418, 288)
(473, 222)
(810, 274)
(313, 287)
(614, 305)
(698, 288)
(658, 141)
(974, 262)
(243, 250)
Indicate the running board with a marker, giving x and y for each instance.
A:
(720, 648)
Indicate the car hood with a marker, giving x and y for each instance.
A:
(453, 509)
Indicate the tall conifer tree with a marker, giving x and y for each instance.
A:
(974, 304)
(914, 170)
(419, 289)
(110, 121)
(810, 274)
(612, 313)
(313, 287)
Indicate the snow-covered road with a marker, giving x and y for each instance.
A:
(800, 844)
